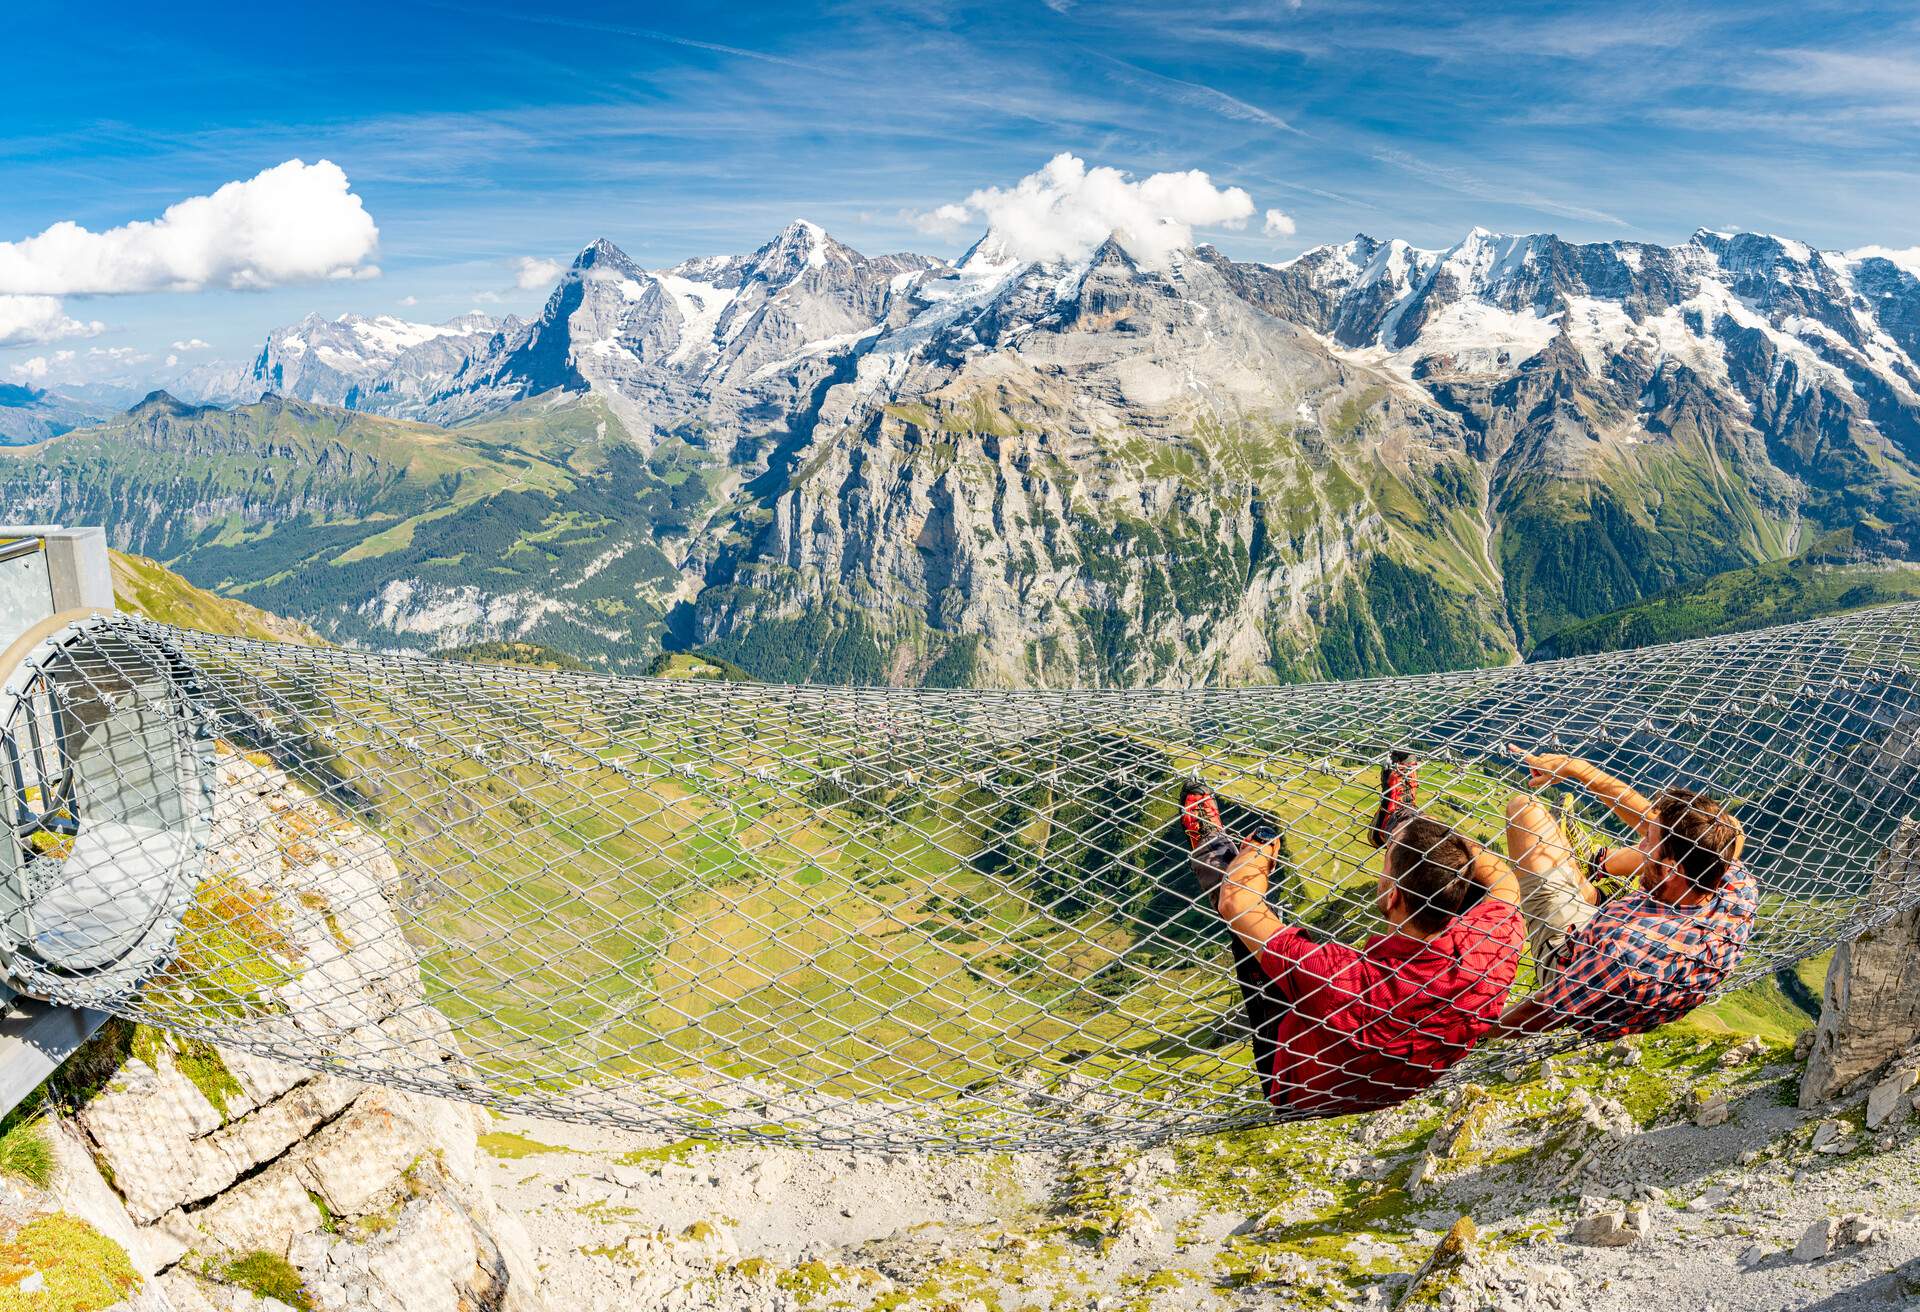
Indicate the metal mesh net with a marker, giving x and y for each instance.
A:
(840, 915)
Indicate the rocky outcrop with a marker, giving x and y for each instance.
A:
(219, 1172)
(371, 1197)
(1872, 1009)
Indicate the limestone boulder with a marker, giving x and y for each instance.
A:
(359, 1159)
(1891, 1096)
(263, 1213)
(143, 1124)
(436, 1253)
(1872, 1009)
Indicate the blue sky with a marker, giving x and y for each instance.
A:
(476, 135)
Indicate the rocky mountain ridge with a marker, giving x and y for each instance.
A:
(382, 364)
(1370, 458)
(30, 414)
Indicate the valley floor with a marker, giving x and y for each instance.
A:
(1329, 1215)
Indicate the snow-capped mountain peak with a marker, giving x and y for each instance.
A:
(799, 247)
(349, 359)
(732, 331)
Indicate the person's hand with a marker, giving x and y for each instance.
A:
(1545, 768)
(1250, 868)
(1269, 847)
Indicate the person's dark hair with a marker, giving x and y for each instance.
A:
(1428, 863)
(1696, 835)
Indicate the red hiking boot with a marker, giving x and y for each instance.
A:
(1213, 847)
(1399, 795)
(1199, 813)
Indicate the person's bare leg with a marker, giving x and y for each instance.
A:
(1536, 844)
(1554, 895)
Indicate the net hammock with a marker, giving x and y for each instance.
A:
(845, 916)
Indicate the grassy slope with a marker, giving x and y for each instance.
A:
(311, 511)
(146, 587)
(1820, 581)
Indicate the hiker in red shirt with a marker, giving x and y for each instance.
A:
(1351, 1029)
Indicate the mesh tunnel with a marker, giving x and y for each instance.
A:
(879, 916)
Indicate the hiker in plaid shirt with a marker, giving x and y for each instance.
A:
(1655, 950)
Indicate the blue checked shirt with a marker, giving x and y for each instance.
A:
(1641, 962)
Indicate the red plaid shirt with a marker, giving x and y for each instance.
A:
(1641, 962)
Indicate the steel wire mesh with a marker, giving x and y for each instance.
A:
(951, 918)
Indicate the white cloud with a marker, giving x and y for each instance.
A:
(193, 344)
(530, 274)
(1907, 260)
(1066, 210)
(941, 221)
(1279, 224)
(172, 360)
(409, 301)
(294, 222)
(34, 320)
(39, 368)
(488, 298)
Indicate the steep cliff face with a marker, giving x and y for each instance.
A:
(1117, 475)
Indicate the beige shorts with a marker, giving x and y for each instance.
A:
(1552, 908)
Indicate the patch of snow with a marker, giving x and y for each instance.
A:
(1478, 338)
(824, 346)
(1715, 299)
(947, 299)
(703, 267)
(351, 343)
(1797, 251)
(700, 305)
(387, 335)
(1600, 330)
(1485, 260)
